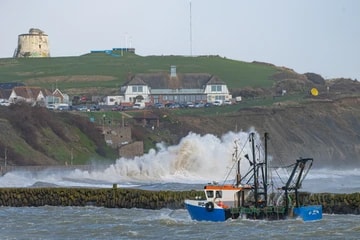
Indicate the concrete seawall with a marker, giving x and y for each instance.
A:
(135, 198)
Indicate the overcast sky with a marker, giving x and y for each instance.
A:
(320, 36)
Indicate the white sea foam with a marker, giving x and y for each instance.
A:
(197, 159)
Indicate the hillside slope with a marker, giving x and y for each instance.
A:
(328, 131)
(37, 136)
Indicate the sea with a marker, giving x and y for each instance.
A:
(195, 161)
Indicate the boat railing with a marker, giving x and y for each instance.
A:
(270, 212)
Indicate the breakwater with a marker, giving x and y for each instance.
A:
(136, 198)
(99, 197)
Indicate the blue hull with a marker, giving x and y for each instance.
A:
(199, 213)
(309, 213)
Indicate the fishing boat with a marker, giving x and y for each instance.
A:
(255, 195)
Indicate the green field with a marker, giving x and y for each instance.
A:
(101, 70)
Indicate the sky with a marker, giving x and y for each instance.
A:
(319, 36)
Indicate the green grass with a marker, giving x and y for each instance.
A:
(22, 148)
(236, 74)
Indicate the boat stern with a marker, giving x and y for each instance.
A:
(309, 213)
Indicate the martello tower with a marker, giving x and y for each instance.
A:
(33, 44)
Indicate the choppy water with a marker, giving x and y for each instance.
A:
(105, 223)
(196, 161)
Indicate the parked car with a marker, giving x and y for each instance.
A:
(117, 108)
(50, 107)
(95, 108)
(227, 102)
(172, 105)
(199, 105)
(81, 108)
(63, 108)
(158, 105)
(190, 104)
(4, 103)
(139, 106)
(217, 103)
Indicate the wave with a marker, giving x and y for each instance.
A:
(196, 160)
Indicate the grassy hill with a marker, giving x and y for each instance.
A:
(103, 73)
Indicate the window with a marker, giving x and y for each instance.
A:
(210, 194)
(218, 194)
(216, 88)
(220, 97)
(137, 88)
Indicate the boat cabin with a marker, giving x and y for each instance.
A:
(227, 196)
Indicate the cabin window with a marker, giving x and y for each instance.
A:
(210, 194)
(218, 194)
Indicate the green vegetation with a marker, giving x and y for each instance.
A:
(108, 72)
(37, 136)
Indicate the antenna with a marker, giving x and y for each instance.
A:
(190, 31)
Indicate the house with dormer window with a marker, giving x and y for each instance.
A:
(136, 90)
(174, 87)
(31, 95)
(58, 97)
(37, 95)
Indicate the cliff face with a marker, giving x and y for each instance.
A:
(328, 131)
(37, 136)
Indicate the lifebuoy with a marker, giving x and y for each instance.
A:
(222, 204)
(209, 206)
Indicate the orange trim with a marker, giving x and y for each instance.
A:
(222, 187)
(226, 187)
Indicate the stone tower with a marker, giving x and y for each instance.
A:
(33, 44)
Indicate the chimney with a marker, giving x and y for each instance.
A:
(173, 71)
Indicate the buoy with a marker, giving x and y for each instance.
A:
(314, 92)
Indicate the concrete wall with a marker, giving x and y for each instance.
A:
(117, 136)
(132, 149)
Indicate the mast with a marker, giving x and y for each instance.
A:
(238, 175)
(254, 170)
(266, 135)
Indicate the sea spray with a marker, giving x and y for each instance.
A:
(196, 160)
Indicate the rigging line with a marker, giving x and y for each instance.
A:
(279, 176)
(288, 166)
(305, 174)
(236, 157)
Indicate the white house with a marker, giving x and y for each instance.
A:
(136, 90)
(30, 95)
(173, 87)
